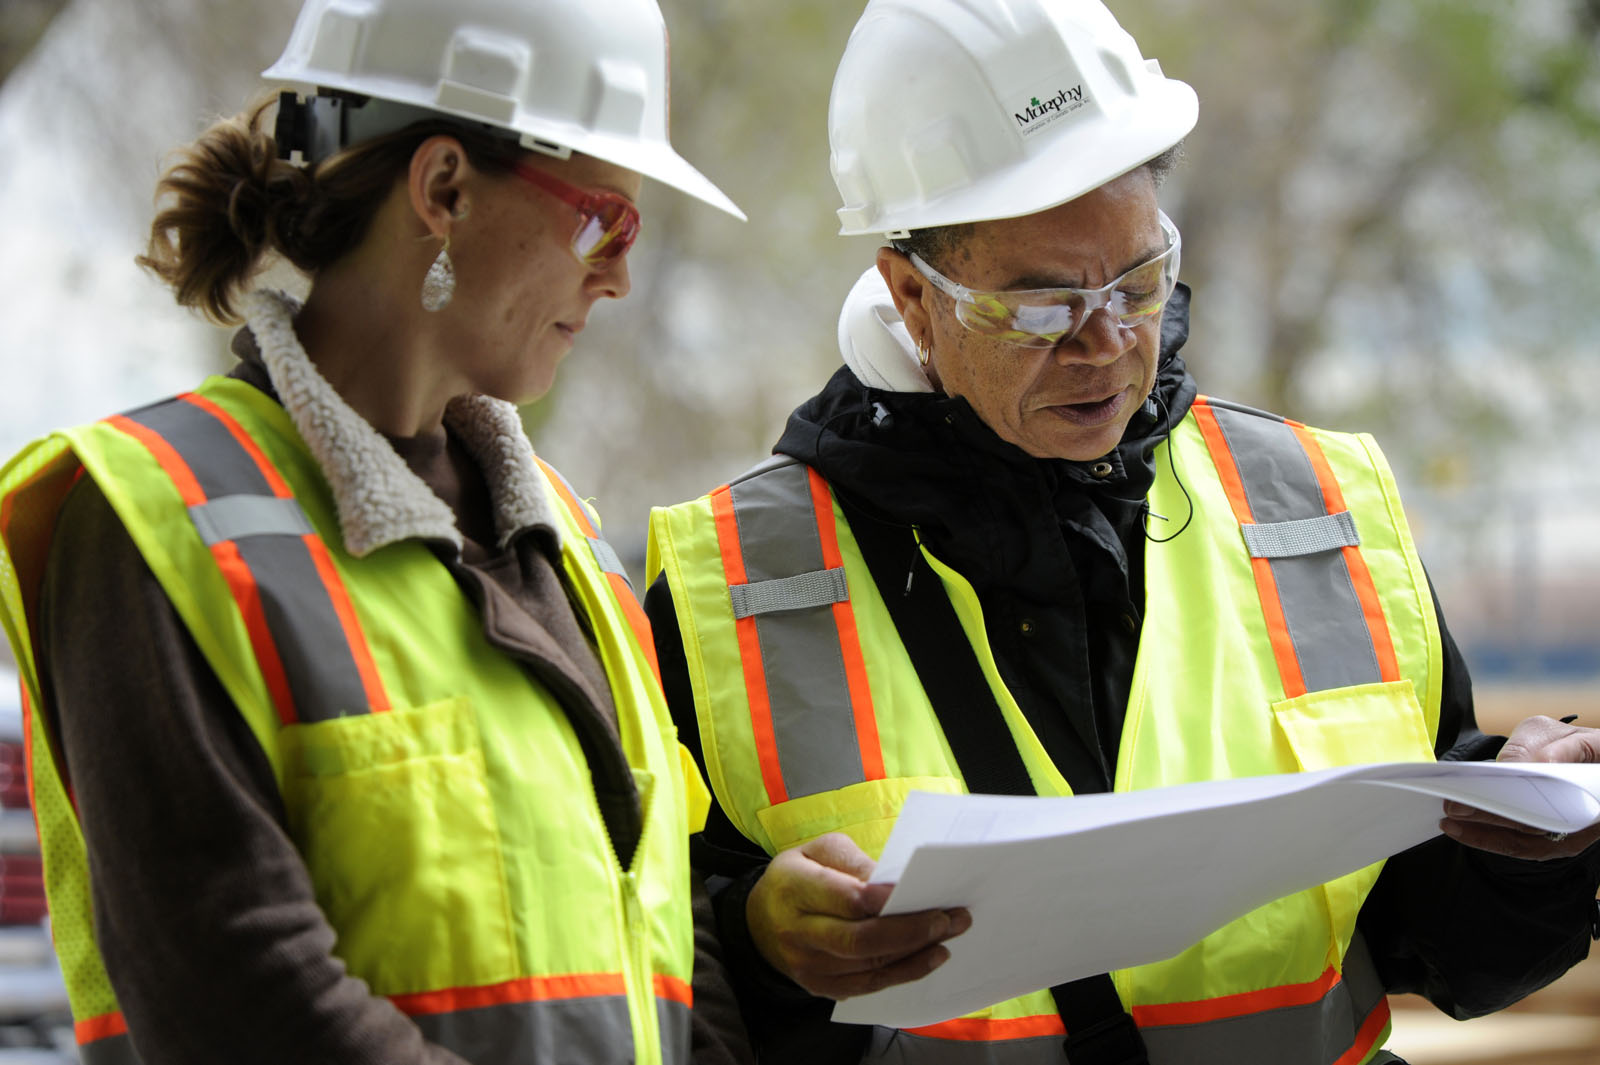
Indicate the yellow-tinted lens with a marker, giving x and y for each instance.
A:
(1036, 318)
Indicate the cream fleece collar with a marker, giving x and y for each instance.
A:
(380, 501)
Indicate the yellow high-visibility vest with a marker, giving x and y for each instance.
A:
(438, 794)
(1289, 627)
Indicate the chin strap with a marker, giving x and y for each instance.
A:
(326, 123)
(314, 127)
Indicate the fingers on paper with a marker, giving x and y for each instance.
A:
(838, 851)
(865, 981)
(1544, 739)
(1486, 832)
(838, 959)
(814, 919)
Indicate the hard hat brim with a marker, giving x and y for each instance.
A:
(653, 158)
(656, 161)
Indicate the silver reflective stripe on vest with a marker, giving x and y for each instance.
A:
(1317, 1033)
(241, 516)
(112, 1050)
(606, 556)
(891, 1046)
(1324, 616)
(576, 1030)
(1308, 536)
(812, 720)
(673, 1018)
(305, 628)
(818, 588)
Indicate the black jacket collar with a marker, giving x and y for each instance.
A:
(985, 505)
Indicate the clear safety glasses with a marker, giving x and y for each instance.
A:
(607, 223)
(1045, 317)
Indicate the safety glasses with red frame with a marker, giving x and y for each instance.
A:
(608, 223)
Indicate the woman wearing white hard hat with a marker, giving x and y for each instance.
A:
(1008, 548)
(347, 744)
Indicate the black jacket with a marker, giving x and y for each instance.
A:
(1054, 550)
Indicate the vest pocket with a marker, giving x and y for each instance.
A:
(1355, 725)
(1351, 726)
(393, 816)
(865, 812)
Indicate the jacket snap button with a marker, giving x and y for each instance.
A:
(1101, 469)
(1027, 626)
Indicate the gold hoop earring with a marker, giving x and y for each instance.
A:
(924, 352)
(439, 283)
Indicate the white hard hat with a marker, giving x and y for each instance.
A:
(950, 111)
(567, 75)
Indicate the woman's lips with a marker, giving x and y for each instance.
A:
(1092, 413)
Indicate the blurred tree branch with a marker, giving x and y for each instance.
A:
(1405, 182)
(1392, 197)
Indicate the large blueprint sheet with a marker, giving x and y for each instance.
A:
(1064, 888)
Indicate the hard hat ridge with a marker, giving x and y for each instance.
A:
(949, 111)
(563, 75)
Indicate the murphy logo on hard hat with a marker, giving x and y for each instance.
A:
(1040, 113)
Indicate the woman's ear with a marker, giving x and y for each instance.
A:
(909, 290)
(437, 182)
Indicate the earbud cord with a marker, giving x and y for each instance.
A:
(1172, 465)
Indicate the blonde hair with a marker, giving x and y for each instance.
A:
(227, 202)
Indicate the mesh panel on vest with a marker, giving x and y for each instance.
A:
(71, 917)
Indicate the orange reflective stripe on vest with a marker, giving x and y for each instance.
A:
(609, 564)
(1322, 611)
(1311, 1023)
(307, 640)
(104, 1040)
(797, 632)
(772, 526)
(581, 1017)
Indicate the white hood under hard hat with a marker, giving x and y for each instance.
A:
(874, 340)
(568, 75)
(951, 111)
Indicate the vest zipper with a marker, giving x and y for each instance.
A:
(637, 976)
(641, 989)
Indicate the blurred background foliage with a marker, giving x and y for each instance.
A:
(1390, 220)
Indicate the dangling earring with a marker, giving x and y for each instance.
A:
(439, 284)
(924, 352)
